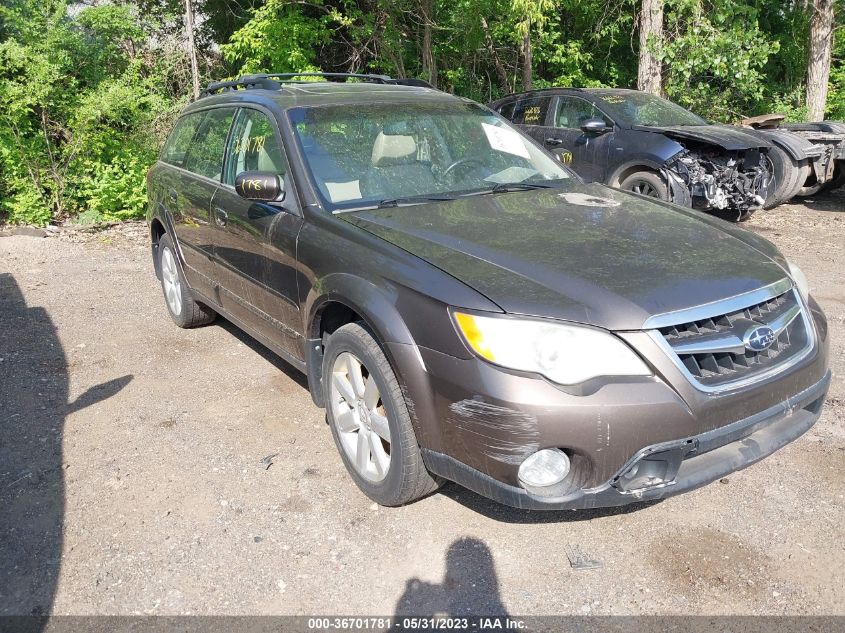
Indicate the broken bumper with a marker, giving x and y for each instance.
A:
(684, 464)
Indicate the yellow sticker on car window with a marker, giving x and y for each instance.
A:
(249, 145)
(531, 115)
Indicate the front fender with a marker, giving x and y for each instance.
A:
(377, 306)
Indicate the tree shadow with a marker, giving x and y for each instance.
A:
(506, 514)
(33, 408)
(469, 588)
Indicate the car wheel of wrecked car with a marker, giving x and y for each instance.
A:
(184, 311)
(646, 183)
(786, 172)
(369, 420)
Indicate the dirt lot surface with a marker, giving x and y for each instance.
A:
(132, 482)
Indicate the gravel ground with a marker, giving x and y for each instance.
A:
(132, 482)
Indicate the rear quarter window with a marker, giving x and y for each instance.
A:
(177, 144)
(205, 154)
(507, 110)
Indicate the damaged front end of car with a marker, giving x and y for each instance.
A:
(706, 178)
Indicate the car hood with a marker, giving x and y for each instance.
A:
(722, 136)
(583, 253)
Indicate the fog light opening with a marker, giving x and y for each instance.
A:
(544, 468)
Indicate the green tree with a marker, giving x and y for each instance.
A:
(714, 53)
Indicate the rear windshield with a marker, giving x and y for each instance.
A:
(640, 108)
(363, 155)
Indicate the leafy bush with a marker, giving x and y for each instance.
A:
(80, 103)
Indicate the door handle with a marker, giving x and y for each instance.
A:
(220, 216)
(173, 195)
(554, 142)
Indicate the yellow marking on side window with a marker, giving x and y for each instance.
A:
(249, 145)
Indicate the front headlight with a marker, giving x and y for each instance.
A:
(565, 354)
(800, 280)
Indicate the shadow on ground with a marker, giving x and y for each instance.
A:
(470, 587)
(825, 201)
(277, 361)
(33, 408)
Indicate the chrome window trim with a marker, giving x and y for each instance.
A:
(733, 385)
(716, 308)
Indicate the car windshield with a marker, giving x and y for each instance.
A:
(640, 108)
(391, 154)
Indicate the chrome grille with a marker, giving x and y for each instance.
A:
(713, 349)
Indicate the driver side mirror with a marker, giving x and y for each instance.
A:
(594, 126)
(262, 186)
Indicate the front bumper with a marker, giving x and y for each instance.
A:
(692, 462)
(476, 423)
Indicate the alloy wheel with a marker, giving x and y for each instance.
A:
(170, 281)
(360, 417)
(645, 188)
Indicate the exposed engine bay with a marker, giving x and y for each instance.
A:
(716, 179)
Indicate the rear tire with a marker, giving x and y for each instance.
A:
(369, 420)
(185, 312)
(804, 174)
(646, 183)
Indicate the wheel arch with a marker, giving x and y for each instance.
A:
(621, 172)
(342, 298)
(161, 224)
(795, 146)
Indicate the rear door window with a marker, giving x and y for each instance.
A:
(531, 110)
(205, 155)
(179, 140)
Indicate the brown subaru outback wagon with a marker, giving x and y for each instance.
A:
(466, 309)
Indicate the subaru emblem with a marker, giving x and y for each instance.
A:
(759, 338)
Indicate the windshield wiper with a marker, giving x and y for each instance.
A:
(389, 203)
(506, 187)
(396, 202)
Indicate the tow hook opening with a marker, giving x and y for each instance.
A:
(654, 469)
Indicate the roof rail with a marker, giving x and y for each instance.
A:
(290, 77)
(274, 81)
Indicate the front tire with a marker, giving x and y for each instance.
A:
(785, 173)
(185, 312)
(369, 420)
(646, 183)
